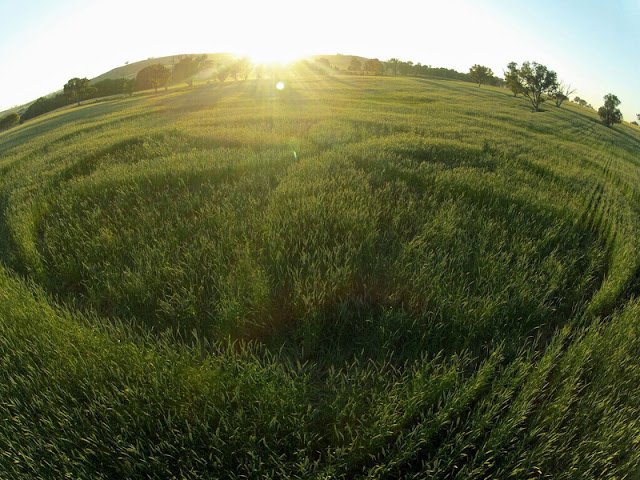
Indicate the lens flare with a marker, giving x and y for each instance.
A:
(280, 85)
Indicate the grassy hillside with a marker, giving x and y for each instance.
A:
(130, 70)
(353, 277)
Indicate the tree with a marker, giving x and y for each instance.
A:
(582, 103)
(44, 105)
(512, 80)
(355, 65)
(9, 121)
(77, 89)
(246, 67)
(393, 64)
(128, 86)
(234, 70)
(91, 92)
(112, 86)
(320, 66)
(638, 115)
(153, 76)
(534, 80)
(608, 112)
(405, 68)
(223, 73)
(480, 74)
(188, 67)
(561, 93)
(240, 66)
(373, 66)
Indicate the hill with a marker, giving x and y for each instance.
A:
(352, 277)
(337, 64)
(130, 70)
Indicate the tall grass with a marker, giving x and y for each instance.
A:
(351, 278)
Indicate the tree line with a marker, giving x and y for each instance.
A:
(157, 76)
(532, 80)
(398, 68)
(77, 90)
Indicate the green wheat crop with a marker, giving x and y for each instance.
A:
(354, 277)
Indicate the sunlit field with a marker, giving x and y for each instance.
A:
(346, 278)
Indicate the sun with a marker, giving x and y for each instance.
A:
(277, 54)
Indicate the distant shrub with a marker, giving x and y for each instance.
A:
(44, 105)
(9, 121)
(153, 76)
(323, 62)
(511, 79)
(78, 89)
(441, 72)
(608, 112)
(189, 66)
(582, 103)
(112, 86)
(480, 74)
(355, 65)
(373, 67)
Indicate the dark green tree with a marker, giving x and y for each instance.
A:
(392, 65)
(582, 102)
(44, 105)
(128, 86)
(608, 112)
(77, 89)
(153, 76)
(9, 121)
(373, 66)
(535, 80)
(355, 65)
(188, 67)
(480, 74)
(111, 86)
(405, 68)
(512, 80)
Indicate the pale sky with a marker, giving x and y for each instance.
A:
(591, 44)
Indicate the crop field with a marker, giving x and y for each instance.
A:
(349, 278)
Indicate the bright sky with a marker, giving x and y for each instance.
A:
(591, 44)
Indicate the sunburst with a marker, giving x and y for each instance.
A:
(280, 55)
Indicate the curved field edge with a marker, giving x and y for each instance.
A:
(416, 292)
